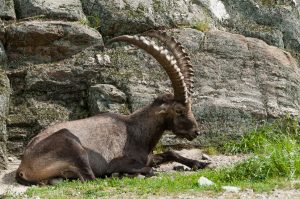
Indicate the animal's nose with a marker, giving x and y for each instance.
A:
(197, 132)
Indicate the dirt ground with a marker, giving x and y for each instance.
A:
(9, 185)
(7, 179)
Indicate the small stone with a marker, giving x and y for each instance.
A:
(206, 157)
(203, 181)
(103, 60)
(10, 159)
(231, 189)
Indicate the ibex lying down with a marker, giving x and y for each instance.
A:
(111, 143)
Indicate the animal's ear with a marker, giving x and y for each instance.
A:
(162, 109)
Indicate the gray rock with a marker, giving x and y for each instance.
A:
(2, 31)
(15, 148)
(55, 9)
(47, 113)
(7, 10)
(262, 20)
(119, 16)
(3, 56)
(42, 41)
(3, 158)
(206, 157)
(4, 104)
(105, 97)
(203, 181)
(103, 60)
(10, 159)
(242, 80)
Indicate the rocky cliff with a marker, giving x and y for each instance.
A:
(55, 67)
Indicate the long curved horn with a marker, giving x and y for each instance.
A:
(168, 62)
(182, 58)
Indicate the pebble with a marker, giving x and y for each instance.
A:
(10, 159)
(203, 181)
(206, 157)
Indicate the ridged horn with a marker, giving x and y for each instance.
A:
(182, 58)
(167, 61)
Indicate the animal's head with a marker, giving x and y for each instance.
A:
(176, 62)
(179, 116)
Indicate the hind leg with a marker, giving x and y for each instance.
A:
(75, 155)
(129, 166)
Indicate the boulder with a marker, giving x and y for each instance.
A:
(106, 97)
(55, 9)
(240, 80)
(275, 22)
(3, 57)
(7, 10)
(4, 104)
(2, 30)
(119, 16)
(45, 41)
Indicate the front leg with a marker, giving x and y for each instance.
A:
(130, 166)
(170, 156)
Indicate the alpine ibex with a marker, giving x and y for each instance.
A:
(110, 143)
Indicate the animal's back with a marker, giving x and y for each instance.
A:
(103, 136)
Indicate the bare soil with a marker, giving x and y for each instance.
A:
(8, 183)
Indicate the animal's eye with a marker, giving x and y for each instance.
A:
(21, 174)
(179, 112)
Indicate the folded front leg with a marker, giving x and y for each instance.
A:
(170, 156)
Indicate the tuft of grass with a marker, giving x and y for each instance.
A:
(92, 21)
(268, 135)
(276, 152)
(210, 150)
(202, 26)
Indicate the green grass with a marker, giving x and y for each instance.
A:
(163, 184)
(284, 130)
(275, 148)
(202, 26)
(274, 163)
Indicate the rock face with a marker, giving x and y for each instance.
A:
(55, 9)
(120, 16)
(275, 22)
(7, 10)
(41, 41)
(4, 104)
(2, 55)
(106, 97)
(241, 79)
